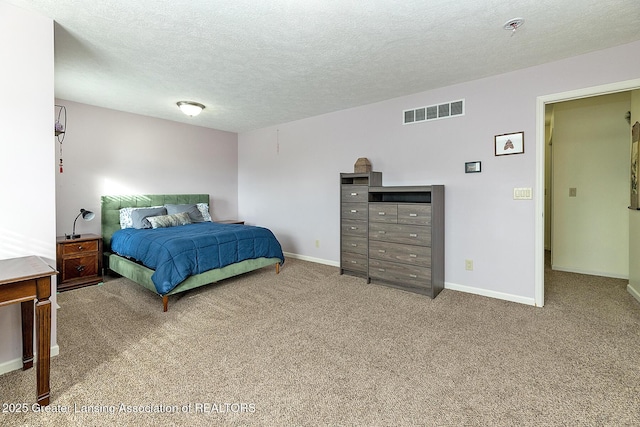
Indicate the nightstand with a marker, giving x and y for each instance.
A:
(79, 261)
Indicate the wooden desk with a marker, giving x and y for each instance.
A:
(24, 280)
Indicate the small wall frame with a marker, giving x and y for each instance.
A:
(472, 167)
(509, 143)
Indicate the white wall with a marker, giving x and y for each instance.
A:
(294, 190)
(112, 152)
(634, 218)
(27, 193)
(591, 154)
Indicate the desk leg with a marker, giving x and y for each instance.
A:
(43, 338)
(27, 334)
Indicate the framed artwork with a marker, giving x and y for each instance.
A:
(635, 137)
(509, 143)
(472, 167)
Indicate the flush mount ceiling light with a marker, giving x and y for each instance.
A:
(513, 24)
(190, 108)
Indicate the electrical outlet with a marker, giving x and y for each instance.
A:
(573, 192)
(317, 243)
(468, 264)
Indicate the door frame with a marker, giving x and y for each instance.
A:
(541, 102)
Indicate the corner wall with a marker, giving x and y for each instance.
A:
(28, 214)
(289, 174)
(112, 152)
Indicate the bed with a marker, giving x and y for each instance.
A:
(226, 265)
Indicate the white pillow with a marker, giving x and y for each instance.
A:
(125, 216)
(204, 210)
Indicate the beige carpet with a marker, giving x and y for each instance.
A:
(310, 347)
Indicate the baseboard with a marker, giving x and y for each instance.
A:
(452, 286)
(589, 272)
(634, 291)
(489, 293)
(311, 259)
(16, 364)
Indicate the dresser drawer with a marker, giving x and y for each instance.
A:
(396, 252)
(357, 211)
(356, 245)
(414, 214)
(400, 273)
(382, 212)
(400, 233)
(72, 248)
(355, 193)
(85, 266)
(355, 262)
(354, 228)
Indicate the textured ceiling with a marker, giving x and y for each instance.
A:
(259, 63)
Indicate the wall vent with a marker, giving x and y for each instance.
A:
(433, 112)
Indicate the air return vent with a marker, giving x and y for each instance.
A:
(433, 112)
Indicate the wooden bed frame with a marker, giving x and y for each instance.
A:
(110, 209)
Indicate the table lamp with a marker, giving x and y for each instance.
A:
(87, 216)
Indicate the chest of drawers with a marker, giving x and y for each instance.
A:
(399, 244)
(406, 238)
(354, 214)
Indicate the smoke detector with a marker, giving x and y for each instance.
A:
(513, 24)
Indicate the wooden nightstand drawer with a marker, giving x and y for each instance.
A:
(86, 266)
(79, 247)
(79, 261)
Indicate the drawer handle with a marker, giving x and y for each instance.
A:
(354, 228)
(382, 251)
(354, 210)
(354, 262)
(80, 248)
(354, 194)
(413, 276)
(381, 213)
(381, 269)
(413, 235)
(354, 244)
(413, 256)
(413, 214)
(80, 268)
(382, 232)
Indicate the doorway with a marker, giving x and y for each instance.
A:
(542, 103)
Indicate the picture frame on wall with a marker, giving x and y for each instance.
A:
(509, 143)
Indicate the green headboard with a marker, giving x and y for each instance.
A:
(110, 209)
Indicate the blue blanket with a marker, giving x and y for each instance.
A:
(176, 253)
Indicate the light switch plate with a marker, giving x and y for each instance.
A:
(522, 193)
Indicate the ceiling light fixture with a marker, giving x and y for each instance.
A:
(190, 108)
(513, 24)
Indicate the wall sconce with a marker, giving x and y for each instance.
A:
(87, 216)
(190, 108)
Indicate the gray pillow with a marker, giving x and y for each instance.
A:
(139, 216)
(194, 213)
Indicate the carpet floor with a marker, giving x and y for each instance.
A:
(311, 347)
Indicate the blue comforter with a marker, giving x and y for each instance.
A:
(176, 253)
